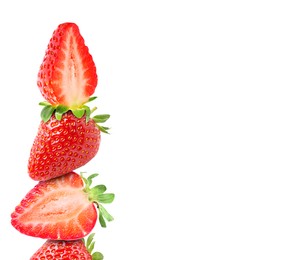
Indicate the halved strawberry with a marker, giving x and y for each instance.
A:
(71, 250)
(62, 208)
(65, 141)
(67, 75)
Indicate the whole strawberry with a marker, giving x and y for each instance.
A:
(67, 250)
(63, 145)
(67, 137)
(63, 208)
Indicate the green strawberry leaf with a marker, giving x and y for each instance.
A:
(88, 113)
(78, 112)
(60, 110)
(90, 240)
(102, 221)
(91, 177)
(103, 129)
(47, 112)
(105, 198)
(91, 247)
(105, 213)
(97, 256)
(95, 192)
(101, 118)
(99, 189)
(91, 99)
(44, 103)
(88, 181)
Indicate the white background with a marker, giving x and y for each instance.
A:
(200, 93)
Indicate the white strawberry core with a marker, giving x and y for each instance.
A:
(73, 80)
(61, 204)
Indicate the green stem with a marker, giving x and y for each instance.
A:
(93, 109)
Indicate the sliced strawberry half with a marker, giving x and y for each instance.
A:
(62, 208)
(67, 75)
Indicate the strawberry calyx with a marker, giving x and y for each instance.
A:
(90, 244)
(58, 110)
(97, 195)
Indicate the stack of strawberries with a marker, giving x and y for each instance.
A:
(63, 207)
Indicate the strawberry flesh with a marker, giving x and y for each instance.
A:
(56, 209)
(67, 75)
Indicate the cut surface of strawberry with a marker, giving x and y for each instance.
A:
(62, 208)
(67, 75)
(70, 250)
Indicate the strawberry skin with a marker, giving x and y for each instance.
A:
(62, 146)
(80, 249)
(67, 74)
(63, 208)
(57, 250)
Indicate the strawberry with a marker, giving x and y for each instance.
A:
(64, 143)
(67, 75)
(63, 208)
(70, 250)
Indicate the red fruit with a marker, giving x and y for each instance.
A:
(67, 75)
(62, 208)
(62, 146)
(53, 249)
(70, 250)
